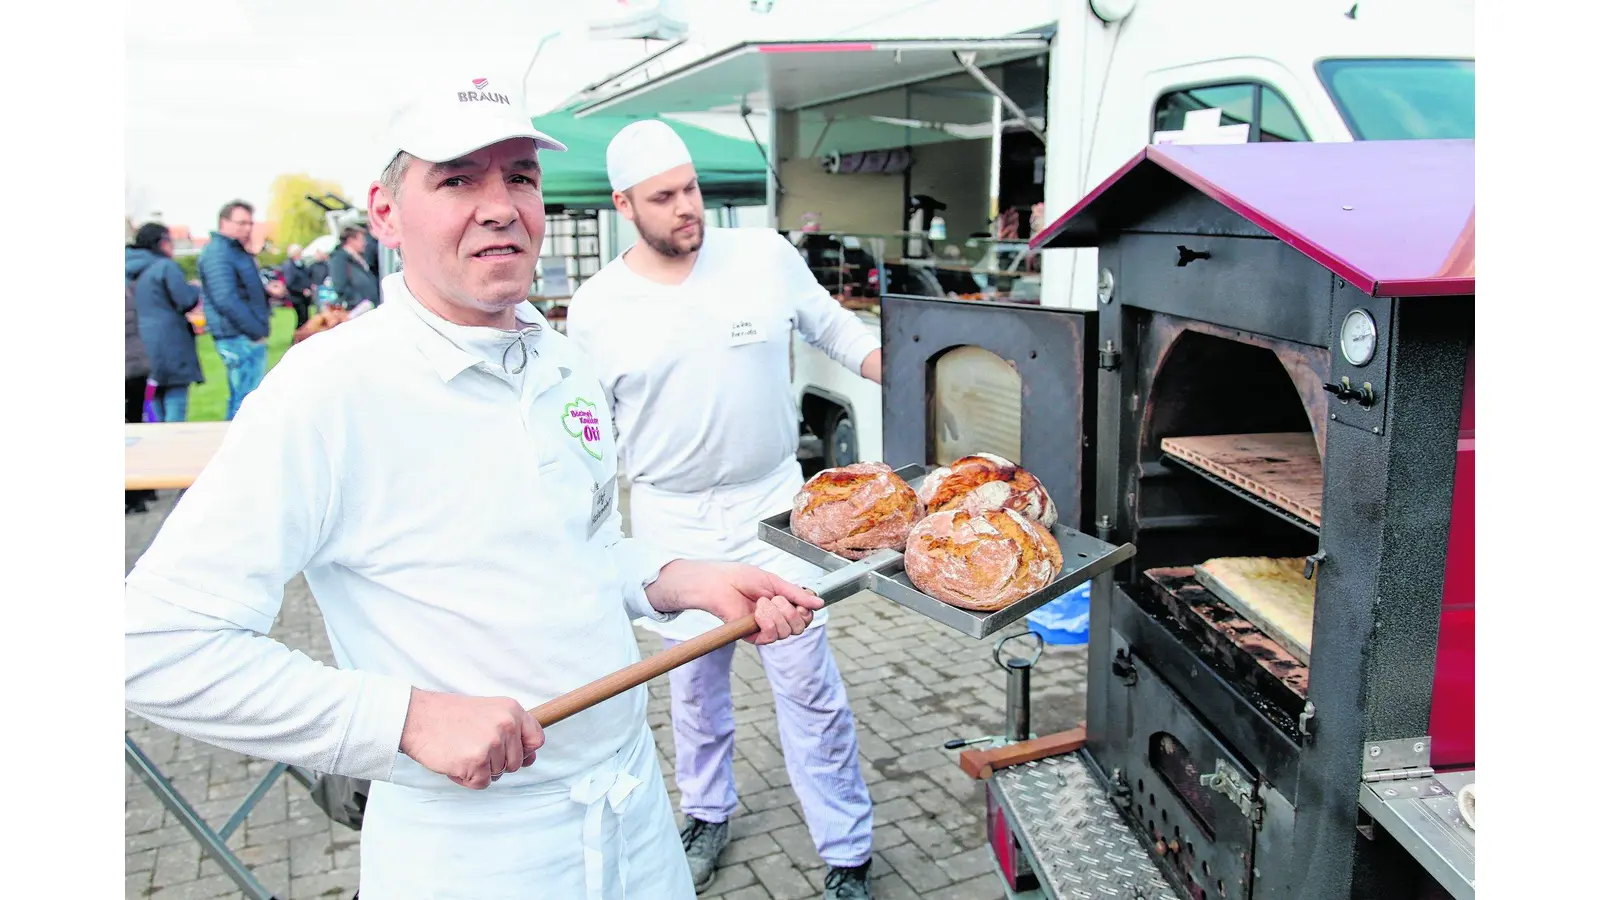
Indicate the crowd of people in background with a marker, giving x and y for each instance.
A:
(232, 298)
(166, 311)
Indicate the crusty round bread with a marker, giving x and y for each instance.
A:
(855, 510)
(982, 561)
(985, 481)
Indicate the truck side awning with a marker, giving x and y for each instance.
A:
(772, 76)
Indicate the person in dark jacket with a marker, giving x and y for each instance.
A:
(318, 270)
(352, 280)
(370, 254)
(136, 371)
(297, 280)
(237, 314)
(162, 297)
(136, 360)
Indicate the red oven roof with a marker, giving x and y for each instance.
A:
(1393, 218)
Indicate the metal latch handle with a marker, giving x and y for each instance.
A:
(1122, 666)
(1231, 783)
(1015, 662)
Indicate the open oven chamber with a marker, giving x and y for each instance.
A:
(1220, 424)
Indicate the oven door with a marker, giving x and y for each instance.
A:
(1017, 381)
(1199, 805)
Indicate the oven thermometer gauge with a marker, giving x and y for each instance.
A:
(1358, 337)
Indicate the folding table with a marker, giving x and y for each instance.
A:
(169, 456)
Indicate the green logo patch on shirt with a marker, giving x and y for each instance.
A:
(582, 420)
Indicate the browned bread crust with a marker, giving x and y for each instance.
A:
(855, 510)
(981, 561)
(985, 481)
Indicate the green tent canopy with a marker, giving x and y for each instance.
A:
(732, 171)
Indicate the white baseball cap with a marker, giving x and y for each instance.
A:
(452, 117)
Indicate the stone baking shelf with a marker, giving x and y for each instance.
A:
(1279, 472)
(1083, 557)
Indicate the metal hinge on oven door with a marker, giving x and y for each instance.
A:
(1231, 783)
(1397, 760)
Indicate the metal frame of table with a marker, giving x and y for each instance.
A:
(213, 841)
(191, 446)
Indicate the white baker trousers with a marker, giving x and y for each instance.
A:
(606, 834)
(815, 724)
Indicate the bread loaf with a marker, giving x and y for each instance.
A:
(984, 481)
(855, 510)
(982, 561)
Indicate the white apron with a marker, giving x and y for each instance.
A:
(606, 835)
(720, 524)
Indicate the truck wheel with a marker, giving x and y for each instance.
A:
(838, 440)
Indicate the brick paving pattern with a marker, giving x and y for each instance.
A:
(913, 685)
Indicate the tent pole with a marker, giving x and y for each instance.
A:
(744, 114)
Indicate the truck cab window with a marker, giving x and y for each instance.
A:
(1260, 106)
(1400, 99)
(1278, 121)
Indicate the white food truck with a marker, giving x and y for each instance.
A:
(921, 165)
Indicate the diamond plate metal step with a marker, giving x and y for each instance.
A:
(1073, 835)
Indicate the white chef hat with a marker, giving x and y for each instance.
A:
(642, 150)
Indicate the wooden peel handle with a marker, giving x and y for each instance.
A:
(830, 587)
(603, 689)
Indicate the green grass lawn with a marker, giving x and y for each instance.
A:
(209, 402)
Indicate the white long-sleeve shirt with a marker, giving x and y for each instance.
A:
(456, 522)
(698, 373)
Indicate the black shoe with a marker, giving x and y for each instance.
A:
(703, 842)
(853, 883)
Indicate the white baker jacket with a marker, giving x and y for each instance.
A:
(698, 374)
(457, 524)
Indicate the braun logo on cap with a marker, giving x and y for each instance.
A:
(480, 95)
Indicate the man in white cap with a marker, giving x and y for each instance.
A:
(690, 330)
(443, 472)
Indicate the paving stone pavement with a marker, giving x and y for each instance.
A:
(913, 685)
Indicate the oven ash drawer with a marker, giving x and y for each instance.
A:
(1196, 801)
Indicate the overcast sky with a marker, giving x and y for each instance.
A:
(224, 95)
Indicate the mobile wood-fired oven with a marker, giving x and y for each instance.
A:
(1280, 367)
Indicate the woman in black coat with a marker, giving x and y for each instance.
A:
(162, 296)
(352, 280)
